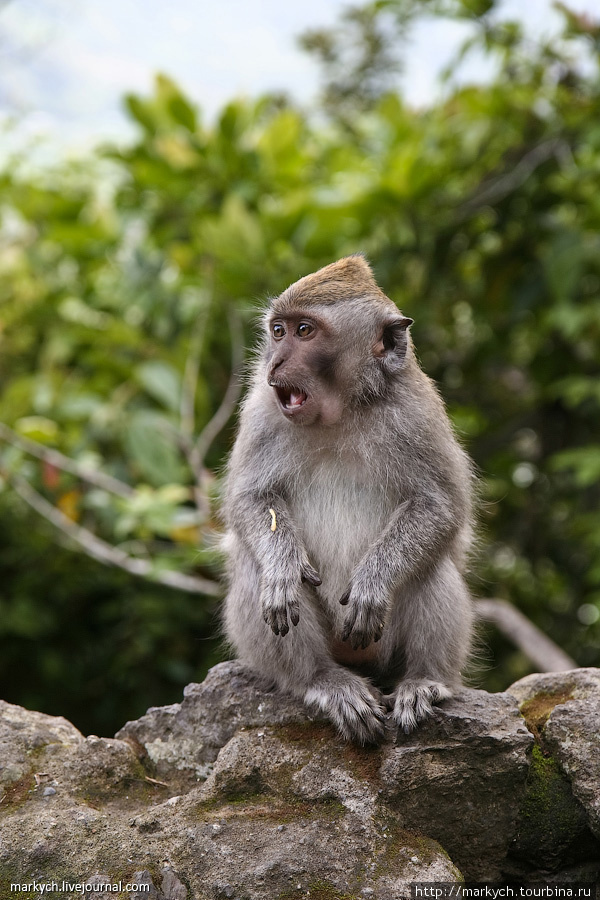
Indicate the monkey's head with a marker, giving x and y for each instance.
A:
(334, 341)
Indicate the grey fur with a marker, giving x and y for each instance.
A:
(377, 507)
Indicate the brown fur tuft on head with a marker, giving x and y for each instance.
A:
(350, 278)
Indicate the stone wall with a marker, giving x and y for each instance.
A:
(238, 793)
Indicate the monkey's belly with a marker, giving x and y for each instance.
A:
(343, 653)
(339, 516)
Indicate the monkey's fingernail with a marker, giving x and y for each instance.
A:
(345, 598)
(312, 578)
(295, 617)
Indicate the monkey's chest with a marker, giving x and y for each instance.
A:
(339, 515)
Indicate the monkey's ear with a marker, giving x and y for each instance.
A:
(391, 346)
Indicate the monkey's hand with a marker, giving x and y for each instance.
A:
(281, 596)
(366, 615)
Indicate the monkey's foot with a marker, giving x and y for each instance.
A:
(351, 705)
(414, 701)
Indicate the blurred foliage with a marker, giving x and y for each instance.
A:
(481, 216)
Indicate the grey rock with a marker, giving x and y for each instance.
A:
(557, 687)
(573, 735)
(460, 779)
(187, 736)
(563, 712)
(564, 708)
(172, 887)
(24, 733)
(236, 792)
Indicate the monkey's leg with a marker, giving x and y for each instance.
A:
(300, 661)
(431, 622)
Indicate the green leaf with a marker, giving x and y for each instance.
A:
(152, 445)
(161, 381)
(563, 263)
(183, 112)
(38, 428)
(583, 461)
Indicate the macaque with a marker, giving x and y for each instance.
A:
(348, 512)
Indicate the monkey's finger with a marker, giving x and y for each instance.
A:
(282, 622)
(379, 632)
(345, 598)
(270, 617)
(350, 621)
(294, 614)
(360, 640)
(311, 575)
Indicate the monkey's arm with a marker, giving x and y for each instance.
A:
(263, 522)
(420, 530)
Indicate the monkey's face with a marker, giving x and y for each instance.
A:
(303, 367)
(323, 361)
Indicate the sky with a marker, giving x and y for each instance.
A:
(65, 64)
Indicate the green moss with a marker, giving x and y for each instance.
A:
(398, 845)
(363, 762)
(260, 806)
(319, 890)
(7, 880)
(536, 711)
(309, 733)
(16, 793)
(552, 824)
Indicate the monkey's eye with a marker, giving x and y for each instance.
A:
(278, 331)
(304, 329)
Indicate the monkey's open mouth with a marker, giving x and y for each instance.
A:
(291, 398)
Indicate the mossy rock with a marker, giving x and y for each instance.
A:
(552, 827)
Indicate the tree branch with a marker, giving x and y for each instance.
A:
(104, 552)
(223, 414)
(540, 649)
(58, 459)
(500, 187)
(190, 382)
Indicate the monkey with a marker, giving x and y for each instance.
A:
(347, 512)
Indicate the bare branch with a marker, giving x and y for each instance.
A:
(223, 414)
(543, 652)
(58, 459)
(500, 187)
(104, 552)
(190, 382)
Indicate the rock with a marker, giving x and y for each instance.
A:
(563, 711)
(22, 734)
(187, 736)
(460, 779)
(237, 792)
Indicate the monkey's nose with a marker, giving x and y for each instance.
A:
(274, 366)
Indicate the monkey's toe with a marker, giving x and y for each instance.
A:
(414, 702)
(353, 708)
